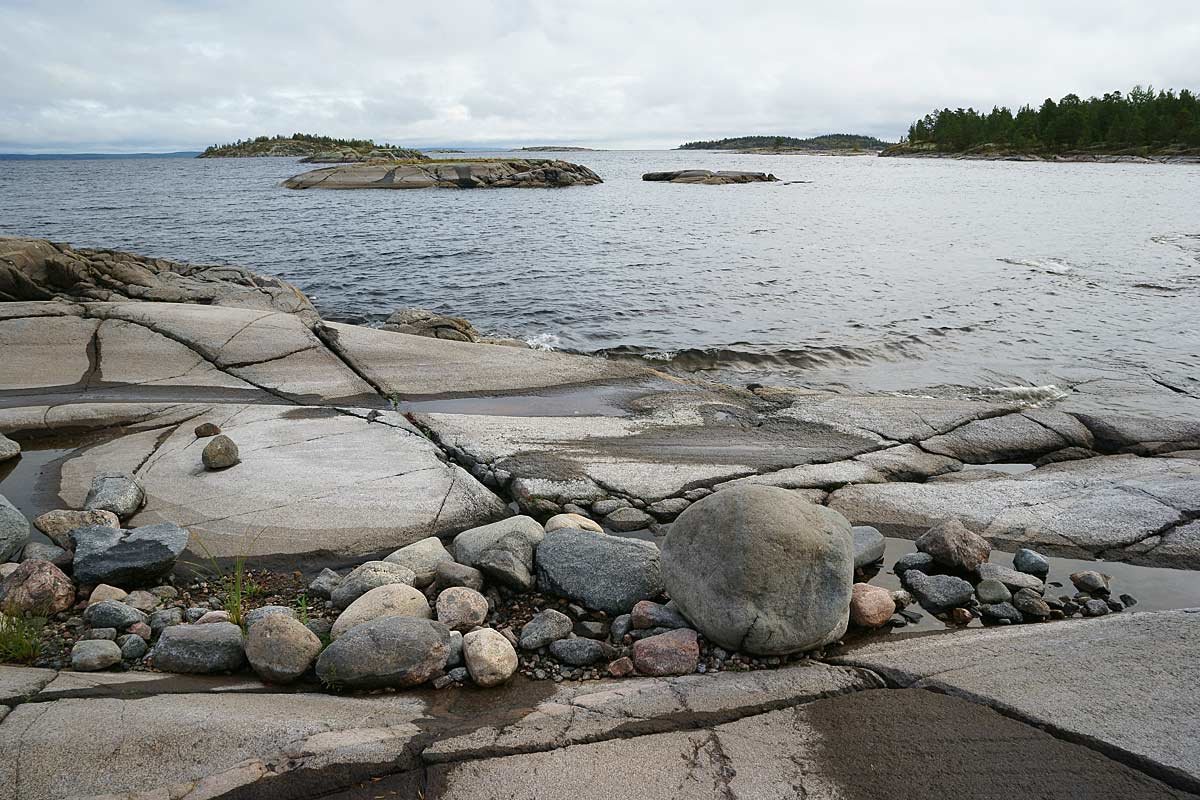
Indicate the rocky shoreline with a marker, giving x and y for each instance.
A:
(709, 178)
(898, 151)
(477, 174)
(267, 495)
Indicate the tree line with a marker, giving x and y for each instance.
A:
(324, 141)
(1140, 118)
(830, 141)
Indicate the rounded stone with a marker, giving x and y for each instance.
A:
(220, 453)
(90, 655)
(280, 649)
(869, 545)
(132, 646)
(1031, 562)
(628, 519)
(871, 606)
(760, 570)
(461, 609)
(422, 558)
(490, 658)
(199, 649)
(58, 524)
(992, 591)
(206, 429)
(599, 571)
(674, 653)
(955, 547)
(581, 652)
(259, 614)
(112, 614)
(386, 652)
(391, 600)
(38, 588)
(451, 573)
(368, 576)
(546, 626)
(105, 592)
(572, 521)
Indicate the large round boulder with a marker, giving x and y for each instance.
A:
(390, 651)
(759, 570)
(280, 649)
(391, 600)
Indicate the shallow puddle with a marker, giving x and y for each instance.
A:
(30, 481)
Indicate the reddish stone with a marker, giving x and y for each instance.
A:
(140, 629)
(961, 616)
(36, 587)
(871, 606)
(673, 653)
(621, 667)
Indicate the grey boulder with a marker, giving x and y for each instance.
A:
(259, 614)
(422, 558)
(368, 576)
(869, 545)
(581, 652)
(199, 649)
(545, 627)
(280, 649)
(760, 570)
(609, 573)
(14, 530)
(1031, 562)
(90, 655)
(503, 551)
(323, 585)
(386, 652)
(127, 558)
(1010, 577)
(220, 453)
(112, 614)
(118, 492)
(938, 592)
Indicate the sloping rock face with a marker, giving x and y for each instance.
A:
(519, 173)
(709, 178)
(35, 269)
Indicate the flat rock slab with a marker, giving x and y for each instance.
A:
(1098, 506)
(1123, 684)
(710, 178)
(407, 366)
(854, 747)
(312, 481)
(669, 442)
(20, 683)
(199, 745)
(489, 174)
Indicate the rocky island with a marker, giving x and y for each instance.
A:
(829, 144)
(448, 174)
(708, 177)
(311, 148)
(248, 509)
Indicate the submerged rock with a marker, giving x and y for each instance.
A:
(386, 652)
(609, 573)
(761, 570)
(133, 557)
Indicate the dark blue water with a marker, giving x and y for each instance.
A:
(867, 273)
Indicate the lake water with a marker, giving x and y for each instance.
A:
(858, 272)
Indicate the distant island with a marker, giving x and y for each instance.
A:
(829, 143)
(1142, 125)
(312, 148)
(554, 148)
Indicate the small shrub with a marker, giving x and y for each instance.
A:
(20, 638)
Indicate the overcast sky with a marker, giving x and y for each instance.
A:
(137, 75)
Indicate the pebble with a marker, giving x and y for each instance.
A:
(1030, 604)
(206, 429)
(132, 647)
(620, 668)
(142, 600)
(648, 614)
(628, 519)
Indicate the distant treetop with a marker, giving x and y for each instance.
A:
(831, 141)
(301, 144)
(1142, 118)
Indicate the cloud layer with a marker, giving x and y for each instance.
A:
(141, 75)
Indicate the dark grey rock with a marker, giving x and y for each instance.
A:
(938, 592)
(602, 508)
(199, 649)
(761, 570)
(449, 574)
(165, 618)
(102, 633)
(220, 453)
(1090, 581)
(1031, 604)
(648, 614)
(922, 562)
(621, 625)
(458, 675)
(869, 545)
(132, 647)
(195, 613)
(90, 655)
(992, 591)
(1031, 562)
(323, 585)
(112, 614)
(1010, 577)
(591, 629)
(321, 627)
(604, 572)
(14, 530)
(669, 508)
(628, 519)
(503, 551)
(954, 546)
(1095, 608)
(118, 492)
(41, 551)
(368, 576)
(581, 652)
(127, 558)
(455, 659)
(1001, 612)
(386, 652)
(545, 627)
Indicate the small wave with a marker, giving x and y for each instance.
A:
(1053, 266)
(1034, 395)
(544, 341)
(701, 359)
